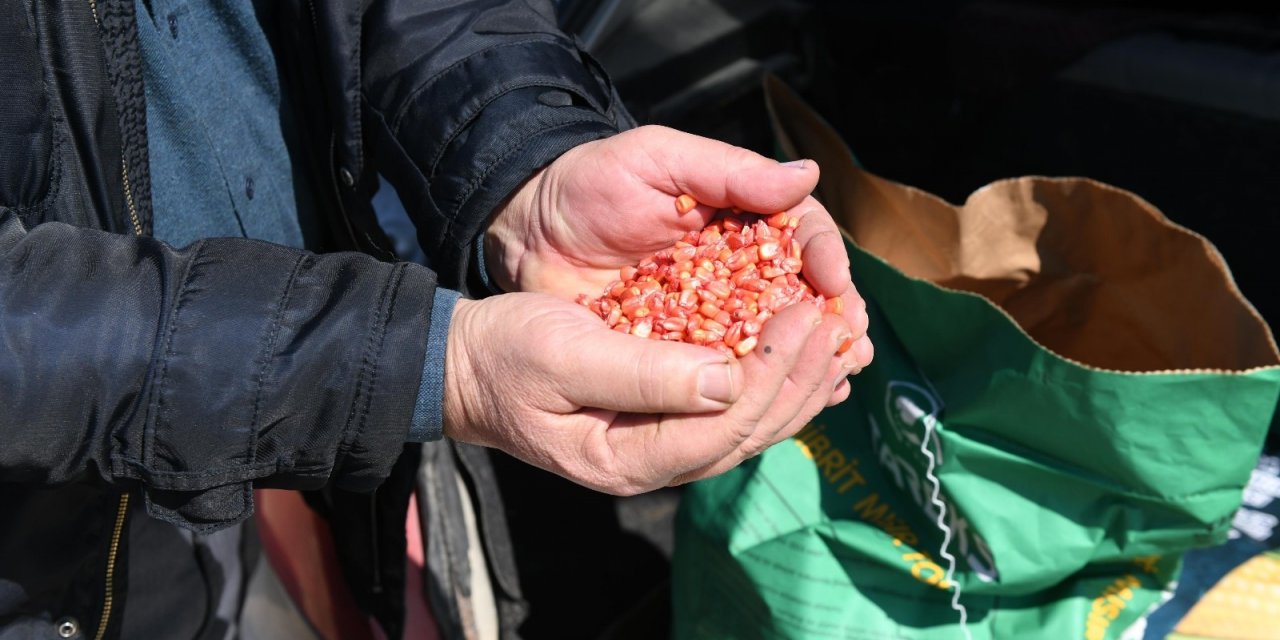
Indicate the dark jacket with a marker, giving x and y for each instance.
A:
(183, 378)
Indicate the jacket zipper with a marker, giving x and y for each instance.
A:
(122, 508)
(128, 197)
(124, 166)
(109, 583)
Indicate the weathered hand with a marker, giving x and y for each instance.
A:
(610, 203)
(544, 380)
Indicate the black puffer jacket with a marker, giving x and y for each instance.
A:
(185, 378)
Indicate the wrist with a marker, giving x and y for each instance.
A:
(458, 373)
(506, 240)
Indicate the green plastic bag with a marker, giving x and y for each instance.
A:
(1068, 392)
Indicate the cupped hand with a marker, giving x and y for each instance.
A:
(611, 203)
(544, 380)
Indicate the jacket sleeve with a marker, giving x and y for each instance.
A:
(464, 101)
(196, 372)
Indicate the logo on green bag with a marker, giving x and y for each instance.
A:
(912, 411)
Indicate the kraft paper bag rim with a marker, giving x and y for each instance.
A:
(1091, 273)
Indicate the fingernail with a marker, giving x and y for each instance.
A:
(795, 164)
(715, 382)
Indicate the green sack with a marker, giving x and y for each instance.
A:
(1068, 392)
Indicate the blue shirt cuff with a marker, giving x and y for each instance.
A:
(478, 251)
(427, 424)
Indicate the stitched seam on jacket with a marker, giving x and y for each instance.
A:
(418, 91)
(356, 68)
(149, 435)
(499, 91)
(55, 176)
(267, 350)
(397, 277)
(475, 182)
(354, 416)
(187, 480)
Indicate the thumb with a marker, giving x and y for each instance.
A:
(620, 372)
(722, 175)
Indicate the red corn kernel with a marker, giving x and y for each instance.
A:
(768, 298)
(734, 335)
(737, 260)
(719, 288)
(744, 275)
(844, 346)
(675, 324)
(630, 305)
(708, 310)
(778, 220)
(685, 203)
(834, 305)
(769, 249)
(672, 306)
(642, 328)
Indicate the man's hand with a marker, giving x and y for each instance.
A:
(610, 203)
(546, 381)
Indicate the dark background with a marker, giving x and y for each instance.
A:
(1177, 102)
